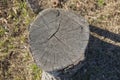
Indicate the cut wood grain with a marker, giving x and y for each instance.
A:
(58, 39)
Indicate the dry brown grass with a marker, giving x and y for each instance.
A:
(16, 62)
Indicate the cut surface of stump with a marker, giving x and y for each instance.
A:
(58, 39)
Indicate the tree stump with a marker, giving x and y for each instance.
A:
(58, 40)
(34, 5)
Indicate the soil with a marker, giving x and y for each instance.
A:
(102, 56)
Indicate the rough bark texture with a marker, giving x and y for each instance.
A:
(37, 5)
(34, 5)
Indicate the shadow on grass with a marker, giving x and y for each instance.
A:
(102, 59)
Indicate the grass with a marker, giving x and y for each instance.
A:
(36, 72)
(100, 2)
(14, 21)
(2, 31)
(16, 63)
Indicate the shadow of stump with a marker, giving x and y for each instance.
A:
(102, 59)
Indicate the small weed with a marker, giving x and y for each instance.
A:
(100, 2)
(4, 45)
(4, 2)
(2, 31)
(36, 72)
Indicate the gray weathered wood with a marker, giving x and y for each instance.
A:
(58, 39)
(47, 76)
(34, 5)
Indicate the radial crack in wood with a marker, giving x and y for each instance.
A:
(58, 39)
